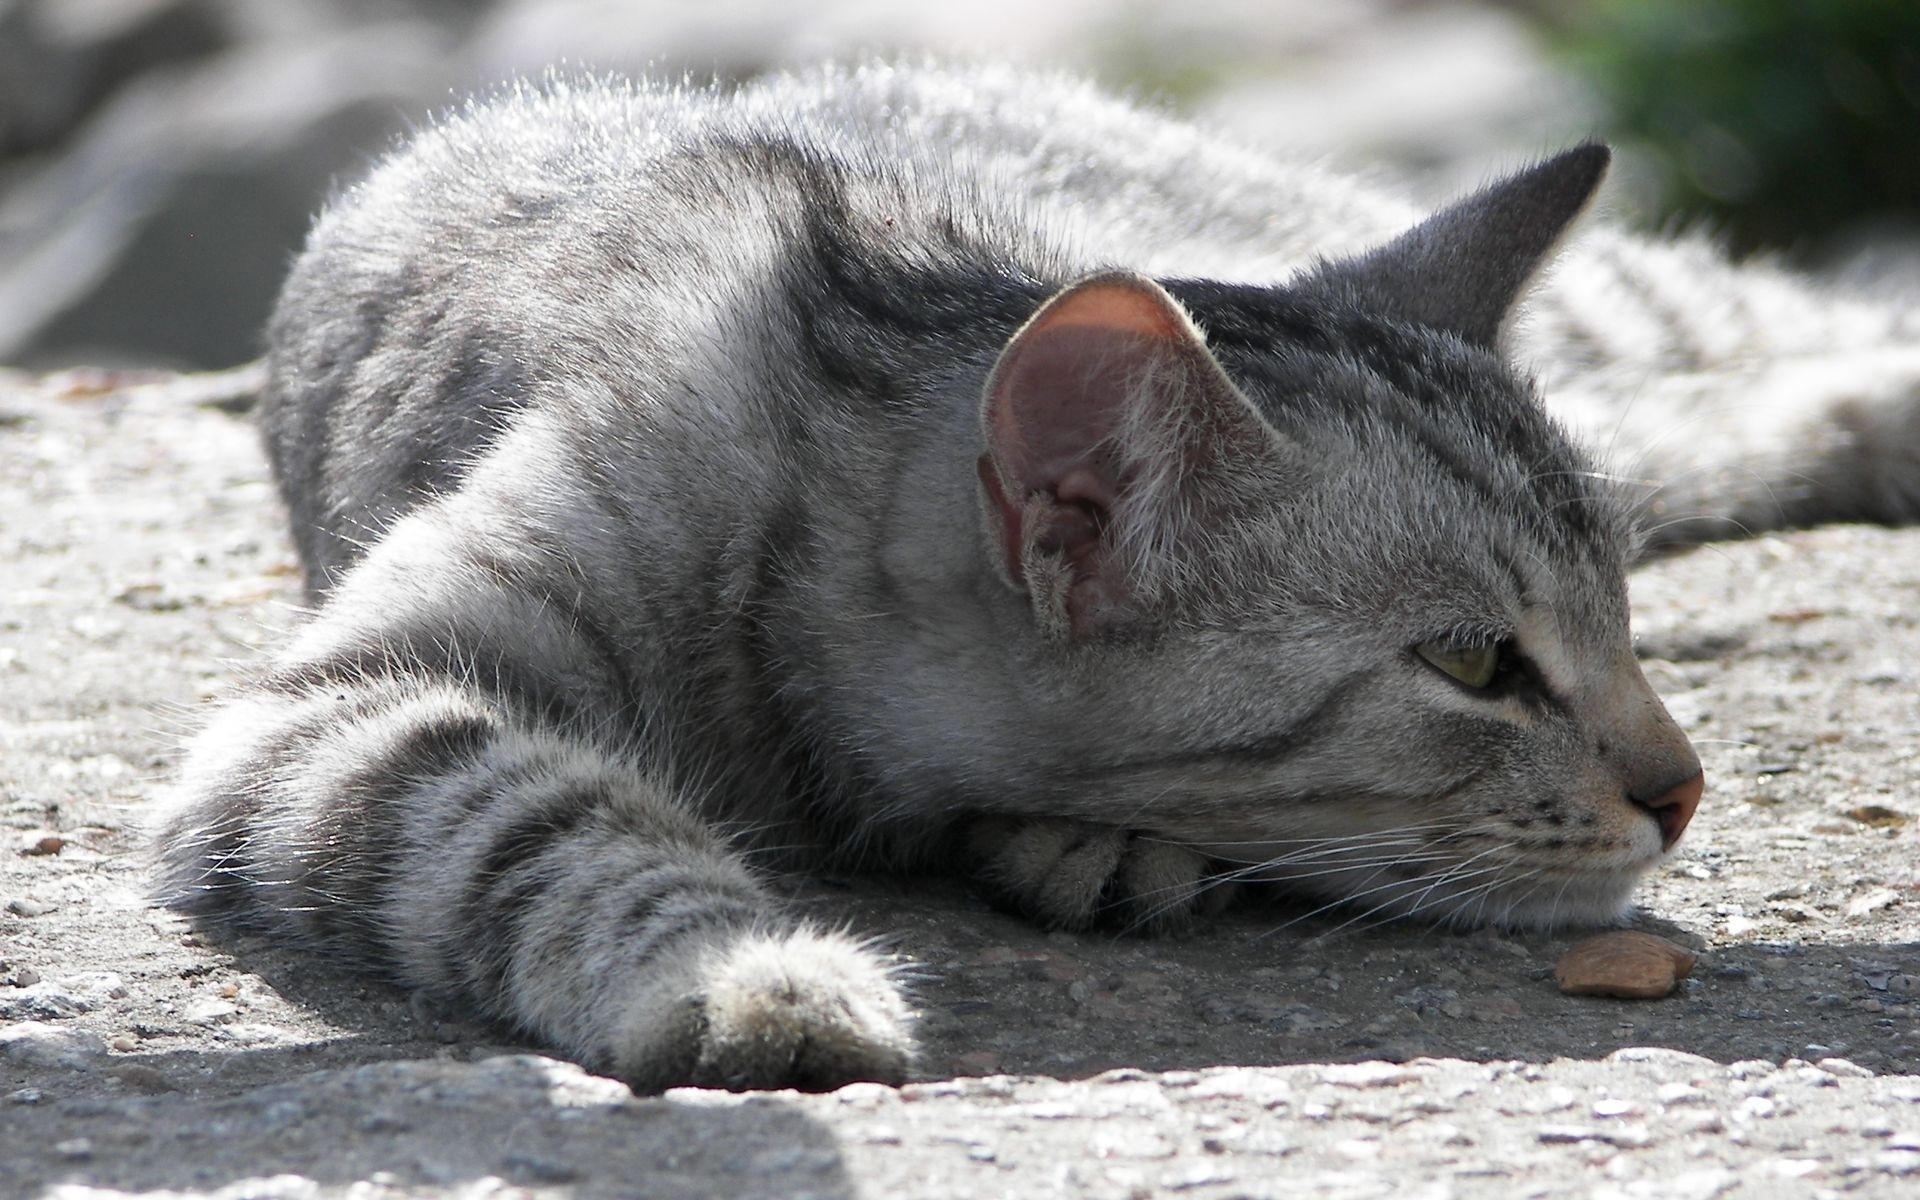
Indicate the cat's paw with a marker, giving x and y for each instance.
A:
(1066, 874)
(799, 1008)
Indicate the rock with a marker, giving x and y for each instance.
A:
(59, 59)
(1368, 1075)
(40, 1003)
(1845, 1068)
(209, 1011)
(194, 185)
(23, 906)
(1871, 901)
(1626, 964)
(41, 842)
(64, 997)
(1665, 1056)
(37, 1044)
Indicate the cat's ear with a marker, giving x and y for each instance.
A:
(1107, 424)
(1463, 269)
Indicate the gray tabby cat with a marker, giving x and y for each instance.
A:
(899, 467)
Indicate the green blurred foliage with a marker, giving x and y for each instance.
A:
(1781, 120)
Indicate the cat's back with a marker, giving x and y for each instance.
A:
(586, 237)
(524, 253)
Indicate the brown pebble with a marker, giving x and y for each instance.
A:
(43, 843)
(1626, 964)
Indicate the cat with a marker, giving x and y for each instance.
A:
(905, 466)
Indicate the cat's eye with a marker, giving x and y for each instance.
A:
(1475, 664)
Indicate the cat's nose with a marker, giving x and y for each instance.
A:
(1673, 807)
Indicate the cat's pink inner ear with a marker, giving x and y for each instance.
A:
(1117, 303)
(1064, 382)
(1053, 473)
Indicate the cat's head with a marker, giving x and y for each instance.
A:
(1324, 591)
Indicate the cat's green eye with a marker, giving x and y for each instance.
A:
(1474, 664)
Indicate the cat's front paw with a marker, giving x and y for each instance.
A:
(1066, 874)
(798, 1008)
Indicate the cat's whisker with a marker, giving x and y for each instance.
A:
(1455, 875)
(1338, 860)
(1253, 872)
(1360, 895)
(1452, 823)
(1459, 870)
(1311, 853)
(1602, 476)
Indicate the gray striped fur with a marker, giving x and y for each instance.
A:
(633, 440)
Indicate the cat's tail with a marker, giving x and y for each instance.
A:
(1731, 399)
(1775, 443)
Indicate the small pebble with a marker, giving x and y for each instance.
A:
(1872, 901)
(1368, 1075)
(1199, 1175)
(207, 1011)
(1675, 1092)
(1560, 1135)
(62, 997)
(1665, 1055)
(21, 906)
(1625, 964)
(865, 1095)
(40, 842)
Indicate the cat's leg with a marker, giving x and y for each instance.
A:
(1068, 874)
(372, 800)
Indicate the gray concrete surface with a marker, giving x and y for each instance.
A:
(1280, 1053)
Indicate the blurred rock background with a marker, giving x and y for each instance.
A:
(160, 159)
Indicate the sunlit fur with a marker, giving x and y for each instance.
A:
(631, 440)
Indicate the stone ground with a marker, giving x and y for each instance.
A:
(1281, 1052)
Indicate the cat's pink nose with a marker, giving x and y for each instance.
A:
(1674, 807)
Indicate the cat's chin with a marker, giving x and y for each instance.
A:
(1600, 900)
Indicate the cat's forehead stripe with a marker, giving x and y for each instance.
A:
(1454, 403)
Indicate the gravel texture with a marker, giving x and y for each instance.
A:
(1281, 1052)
